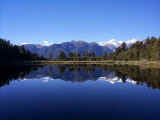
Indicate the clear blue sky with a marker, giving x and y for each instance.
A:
(33, 21)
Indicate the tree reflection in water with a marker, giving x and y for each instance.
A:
(8, 74)
(81, 73)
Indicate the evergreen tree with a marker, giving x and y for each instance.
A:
(123, 46)
(62, 55)
(156, 50)
(12, 53)
(71, 55)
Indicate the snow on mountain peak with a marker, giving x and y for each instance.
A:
(112, 42)
(24, 43)
(46, 43)
(116, 43)
(132, 41)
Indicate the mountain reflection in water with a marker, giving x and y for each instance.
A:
(81, 73)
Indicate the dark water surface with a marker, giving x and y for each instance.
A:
(79, 93)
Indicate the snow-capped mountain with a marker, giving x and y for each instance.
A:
(112, 44)
(42, 43)
(132, 41)
(49, 49)
(115, 79)
(73, 46)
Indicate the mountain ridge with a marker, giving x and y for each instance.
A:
(52, 51)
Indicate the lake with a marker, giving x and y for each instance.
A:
(79, 92)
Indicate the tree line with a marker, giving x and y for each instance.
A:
(148, 49)
(10, 53)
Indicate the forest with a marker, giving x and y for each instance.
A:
(10, 53)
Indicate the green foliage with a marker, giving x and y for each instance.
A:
(70, 54)
(12, 53)
(62, 55)
(149, 49)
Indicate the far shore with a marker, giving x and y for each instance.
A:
(141, 63)
(155, 64)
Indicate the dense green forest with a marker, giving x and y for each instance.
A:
(148, 49)
(12, 53)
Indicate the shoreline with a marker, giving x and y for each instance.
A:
(155, 64)
(142, 64)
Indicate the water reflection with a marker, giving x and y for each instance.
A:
(9, 74)
(82, 73)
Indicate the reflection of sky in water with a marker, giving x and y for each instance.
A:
(43, 79)
(41, 97)
(111, 80)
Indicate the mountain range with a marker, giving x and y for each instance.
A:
(52, 51)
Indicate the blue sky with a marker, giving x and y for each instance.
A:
(35, 21)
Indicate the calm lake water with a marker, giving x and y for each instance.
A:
(79, 93)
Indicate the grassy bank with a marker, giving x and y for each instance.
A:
(107, 62)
